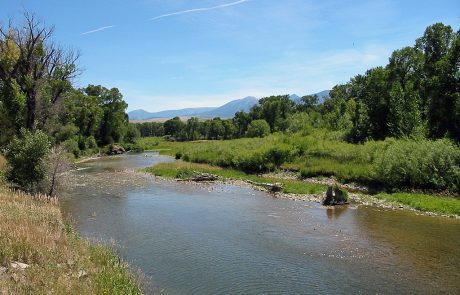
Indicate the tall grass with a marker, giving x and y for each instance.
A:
(181, 169)
(392, 164)
(425, 202)
(420, 164)
(3, 167)
(32, 231)
(3, 164)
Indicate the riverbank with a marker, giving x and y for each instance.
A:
(301, 190)
(40, 253)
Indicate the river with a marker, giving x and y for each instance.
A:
(226, 239)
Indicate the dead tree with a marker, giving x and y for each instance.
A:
(40, 63)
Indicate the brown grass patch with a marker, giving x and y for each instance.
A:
(32, 231)
(2, 163)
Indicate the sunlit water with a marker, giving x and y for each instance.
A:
(224, 239)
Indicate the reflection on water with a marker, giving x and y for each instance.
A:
(222, 239)
(333, 213)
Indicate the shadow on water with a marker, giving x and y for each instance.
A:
(224, 239)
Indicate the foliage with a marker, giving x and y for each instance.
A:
(419, 164)
(174, 127)
(415, 95)
(274, 110)
(132, 134)
(41, 71)
(148, 129)
(392, 163)
(25, 156)
(258, 128)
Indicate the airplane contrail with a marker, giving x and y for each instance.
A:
(97, 30)
(175, 13)
(199, 9)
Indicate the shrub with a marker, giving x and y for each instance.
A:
(66, 132)
(421, 164)
(184, 173)
(258, 128)
(91, 142)
(72, 146)
(279, 154)
(132, 133)
(25, 156)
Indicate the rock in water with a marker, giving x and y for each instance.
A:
(339, 196)
(204, 177)
(116, 150)
(335, 196)
(329, 199)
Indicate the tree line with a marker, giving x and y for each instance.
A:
(416, 95)
(41, 109)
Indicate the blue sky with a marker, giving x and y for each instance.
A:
(167, 54)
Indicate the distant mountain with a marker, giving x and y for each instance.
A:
(321, 96)
(189, 112)
(228, 110)
(139, 115)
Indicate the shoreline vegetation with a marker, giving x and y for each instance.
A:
(294, 184)
(40, 253)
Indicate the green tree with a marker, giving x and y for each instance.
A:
(12, 109)
(192, 128)
(115, 120)
(85, 112)
(274, 110)
(361, 123)
(229, 129)
(174, 127)
(42, 70)
(439, 45)
(216, 129)
(132, 133)
(405, 116)
(241, 121)
(307, 103)
(25, 155)
(258, 128)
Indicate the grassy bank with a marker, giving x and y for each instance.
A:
(32, 231)
(393, 165)
(425, 202)
(317, 155)
(422, 202)
(183, 170)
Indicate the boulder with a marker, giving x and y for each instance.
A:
(329, 199)
(116, 150)
(335, 196)
(203, 177)
(340, 197)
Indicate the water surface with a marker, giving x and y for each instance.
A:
(224, 239)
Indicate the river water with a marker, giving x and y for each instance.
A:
(225, 239)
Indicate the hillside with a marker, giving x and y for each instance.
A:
(227, 110)
(188, 112)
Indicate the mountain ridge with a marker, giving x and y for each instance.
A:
(227, 110)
